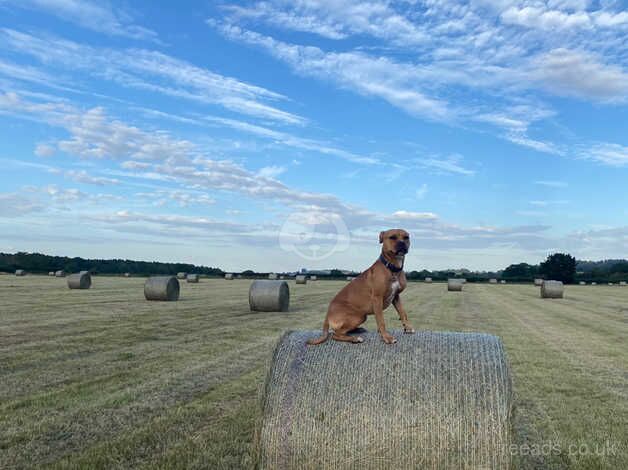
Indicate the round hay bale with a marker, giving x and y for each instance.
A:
(350, 278)
(181, 275)
(229, 277)
(313, 278)
(552, 290)
(538, 282)
(492, 281)
(281, 277)
(594, 283)
(428, 280)
(51, 273)
(582, 283)
(60, 273)
(622, 283)
(610, 284)
(434, 400)
(239, 276)
(193, 278)
(81, 280)
(20, 272)
(164, 288)
(454, 285)
(127, 274)
(269, 296)
(300, 279)
(272, 276)
(502, 282)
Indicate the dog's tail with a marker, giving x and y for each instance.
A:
(324, 337)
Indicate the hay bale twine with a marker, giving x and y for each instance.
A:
(60, 273)
(538, 282)
(20, 272)
(81, 280)
(269, 296)
(272, 276)
(301, 279)
(428, 280)
(181, 275)
(193, 278)
(229, 277)
(582, 283)
(313, 278)
(164, 288)
(552, 290)
(492, 281)
(454, 285)
(434, 400)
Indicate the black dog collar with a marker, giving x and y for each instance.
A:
(390, 266)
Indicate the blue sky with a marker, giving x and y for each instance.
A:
(281, 134)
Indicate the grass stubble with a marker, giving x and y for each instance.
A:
(104, 379)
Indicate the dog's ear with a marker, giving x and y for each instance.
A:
(381, 237)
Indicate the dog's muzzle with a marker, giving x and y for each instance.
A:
(401, 248)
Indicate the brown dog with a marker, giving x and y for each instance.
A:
(371, 293)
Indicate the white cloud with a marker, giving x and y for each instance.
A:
(421, 191)
(18, 204)
(397, 83)
(607, 153)
(451, 164)
(152, 71)
(408, 215)
(96, 16)
(271, 171)
(81, 176)
(580, 74)
(44, 150)
(551, 183)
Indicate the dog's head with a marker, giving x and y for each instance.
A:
(396, 241)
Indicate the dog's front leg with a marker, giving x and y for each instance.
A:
(403, 316)
(378, 310)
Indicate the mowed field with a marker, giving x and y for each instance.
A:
(104, 379)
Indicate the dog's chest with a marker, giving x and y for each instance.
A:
(394, 288)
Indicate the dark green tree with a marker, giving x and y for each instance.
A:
(520, 271)
(559, 267)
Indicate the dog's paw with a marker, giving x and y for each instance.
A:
(389, 339)
(408, 330)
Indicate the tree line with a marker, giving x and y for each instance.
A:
(558, 266)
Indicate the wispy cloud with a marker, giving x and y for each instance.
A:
(450, 164)
(97, 16)
(152, 71)
(551, 183)
(607, 154)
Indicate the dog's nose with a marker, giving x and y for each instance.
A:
(401, 246)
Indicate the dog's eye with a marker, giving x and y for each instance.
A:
(393, 237)
(406, 238)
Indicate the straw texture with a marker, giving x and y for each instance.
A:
(433, 400)
(165, 288)
(552, 290)
(454, 285)
(269, 296)
(82, 280)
